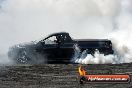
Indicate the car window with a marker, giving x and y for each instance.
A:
(51, 40)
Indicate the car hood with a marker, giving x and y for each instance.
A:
(25, 45)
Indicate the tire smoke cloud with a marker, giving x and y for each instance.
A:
(121, 38)
(27, 20)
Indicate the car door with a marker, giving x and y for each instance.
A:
(50, 47)
(66, 49)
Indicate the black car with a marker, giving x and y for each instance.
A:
(57, 48)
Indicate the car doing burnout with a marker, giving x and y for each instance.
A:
(57, 48)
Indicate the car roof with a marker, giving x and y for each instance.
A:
(59, 33)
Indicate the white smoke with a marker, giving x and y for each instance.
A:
(85, 58)
(5, 60)
(27, 20)
(121, 38)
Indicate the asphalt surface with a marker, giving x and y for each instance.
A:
(58, 76)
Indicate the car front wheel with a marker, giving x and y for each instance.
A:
(23, 58)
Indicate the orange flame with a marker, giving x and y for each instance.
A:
(81, 71)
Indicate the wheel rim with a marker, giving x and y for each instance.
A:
(22, 58)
